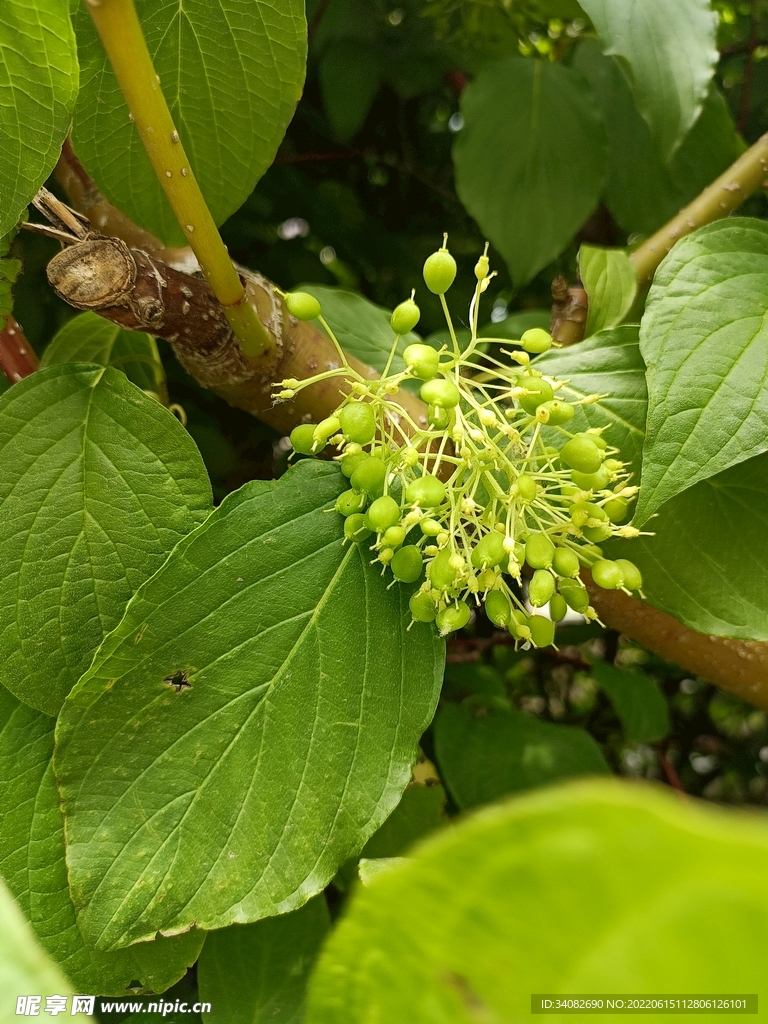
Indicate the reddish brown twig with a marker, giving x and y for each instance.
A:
(669, 769)
(17, 358)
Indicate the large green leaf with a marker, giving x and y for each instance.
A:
(668, 54)
(248, 725)
(350, 77)
(640, 705)
(641, 191)
(594, 887)
(703, 338)
(485, 753)
(609, 364)
(38, 88)
(231, 71)
(99, 482)
(530, 160)
(257, 973)
(610, 281)
(707, 561)
(89, 338)
(32, 864)
(25, 970)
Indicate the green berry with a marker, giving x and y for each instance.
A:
(540, 392)
(498, 608)
(430, 527)
(425, 491)
(370, 476)
(440, 572)
(439, 271)
(596, 534)
(489, 551)
(518, 625)
(581, 453)
(358, 422)
(526, 487)
(394, 536)
(542, 630)
(536, 340)
(607, 574)
(616, 509)
(303, 438)
(583, 511)
(440, 392)
(558, 609)
(422, 361)
(350, 502)
(406, 564)
(574, 594)
(438, 417)
(355, 528)
(633, 578)
(326, 428)
(539, 551)
(558, 412)
(383, 513)
(591, 481)
(541, 588)
(302, 305)
(566, 562)
(350, 462)
(404, 317)
(422, 607)
(597, 439)
(454, 617)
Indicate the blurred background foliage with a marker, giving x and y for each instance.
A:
(379, 160)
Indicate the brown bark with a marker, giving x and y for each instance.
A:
(569, 312)
(17, 358)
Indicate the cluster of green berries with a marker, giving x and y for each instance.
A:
(490, 496)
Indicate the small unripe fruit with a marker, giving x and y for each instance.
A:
(558, 609)
(633, 578)
(437, 417)
(542, 630)
(406, 564)
(607, 574)
(540, 392)
(358, 422)
(481, 267)
(489, 551)
(370, 476)
(326, 428)
(526, 487)
(439, 271)
(566, 562)
(583, 511)
(404, 317)
(440, 571)
(394, 536)
(302, 305)
(536, 340)
(575, 595)
(425, 491)
(430, 527)
(596, 534)
(422, 607)
(355, 528)
(454, 617)
(539, 551)
(541, 588)
(498, 608)
(422, 361)
(616, 509)
(350, 462)
(383, 513)
(558, 412)
(303, 438)
(592, 481)
(442, 393)
(350, 502)
(581, 453)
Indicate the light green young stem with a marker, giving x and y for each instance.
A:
(118, 26)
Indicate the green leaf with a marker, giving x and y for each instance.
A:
(258, 972)
(231, 71)
(99, 483)
(610, 281)
(9, 271)
(369, 869)
(668, 54)
(32, 864)
(362, 327)
(637, 700)
(530, 160)
(703, 339)
(38, 88)
(593, 887)
(707, 560)
(24, 967)
(486, 752)
(420, 812)
(608, 364)
(89, 338)
(269, 660)
(641, 191)
(349, 80)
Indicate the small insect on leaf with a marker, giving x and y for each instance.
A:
(178, 680)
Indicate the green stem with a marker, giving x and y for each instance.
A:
(725, 194)
(121, 34)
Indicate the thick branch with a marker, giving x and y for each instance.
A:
(17, 358)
